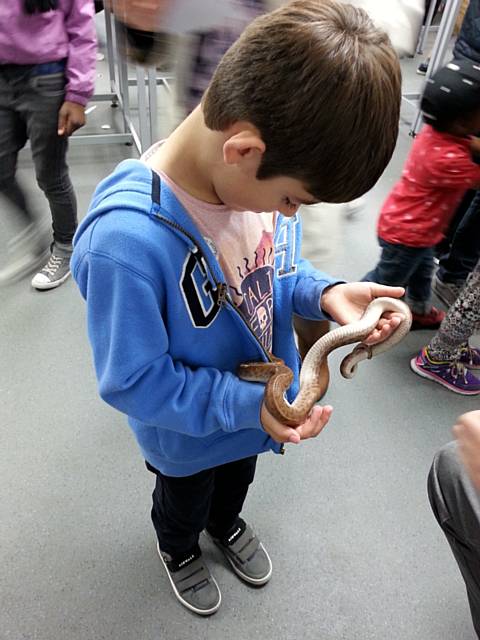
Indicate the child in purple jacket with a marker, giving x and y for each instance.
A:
(47, 72)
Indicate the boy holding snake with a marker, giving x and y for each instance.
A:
(189, 261)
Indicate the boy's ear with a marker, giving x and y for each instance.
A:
(245, 148)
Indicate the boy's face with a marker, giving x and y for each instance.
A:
(273, 194)
(237, 186)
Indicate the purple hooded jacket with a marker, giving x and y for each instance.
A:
(65, 33)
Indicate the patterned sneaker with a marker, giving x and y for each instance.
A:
(431, 320)
(470, 357)
(246, 554)
(54, 273)
(192, 583)
(452, 375)
(446, 292)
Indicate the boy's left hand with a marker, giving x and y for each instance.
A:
(347, 302)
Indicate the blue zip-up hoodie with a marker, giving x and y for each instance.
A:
(166, 338)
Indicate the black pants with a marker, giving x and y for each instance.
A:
(29, 106)
(212, 499)
(464, 251)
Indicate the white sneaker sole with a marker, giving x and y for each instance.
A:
(256, 581)
(42, 286)
(434, 378)
(201, 612)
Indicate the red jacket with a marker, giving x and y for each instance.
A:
(438, 171)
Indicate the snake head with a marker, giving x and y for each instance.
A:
(349, 364)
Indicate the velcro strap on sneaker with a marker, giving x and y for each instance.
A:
(193, 576)
(245, 547)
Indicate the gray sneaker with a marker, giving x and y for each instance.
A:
(246, 554)
(55, 272)
(446, 292)
(192, 583)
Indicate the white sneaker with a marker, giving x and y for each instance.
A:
(54, 273)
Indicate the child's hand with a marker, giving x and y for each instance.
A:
(70, 118)
(347, 302)
(312, 426)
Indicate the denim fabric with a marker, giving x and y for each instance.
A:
(409, 267)
(465, 248)
(467, 44)
(29, 106)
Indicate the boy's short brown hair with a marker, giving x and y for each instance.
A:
(323, 86)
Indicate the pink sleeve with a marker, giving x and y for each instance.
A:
(82, 47)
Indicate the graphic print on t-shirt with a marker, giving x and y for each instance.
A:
(242, 242)
(253, 293)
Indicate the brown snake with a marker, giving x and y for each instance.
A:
(312, 384)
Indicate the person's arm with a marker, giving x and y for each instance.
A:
(135, 371)
(454, 169)
(80, 69)
(467, 432)
(318, 296)
(309, 287)
(346, 303)
(311, 428)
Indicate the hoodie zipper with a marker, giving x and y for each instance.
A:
(223, 298)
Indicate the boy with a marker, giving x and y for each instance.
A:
(187, 272)
(438, 171)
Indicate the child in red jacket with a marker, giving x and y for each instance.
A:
(438, 171)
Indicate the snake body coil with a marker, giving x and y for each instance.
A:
(279, 377)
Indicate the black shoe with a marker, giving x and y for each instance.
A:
(423, 67)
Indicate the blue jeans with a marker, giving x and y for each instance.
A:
(409, 267)
(465, 248)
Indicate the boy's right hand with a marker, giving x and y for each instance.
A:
(312, 426)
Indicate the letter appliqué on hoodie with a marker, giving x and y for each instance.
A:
(285, 247)
(198, 292)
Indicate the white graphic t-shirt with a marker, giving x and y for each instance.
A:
(242, 242)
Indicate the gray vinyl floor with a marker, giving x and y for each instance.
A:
(357, 554)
